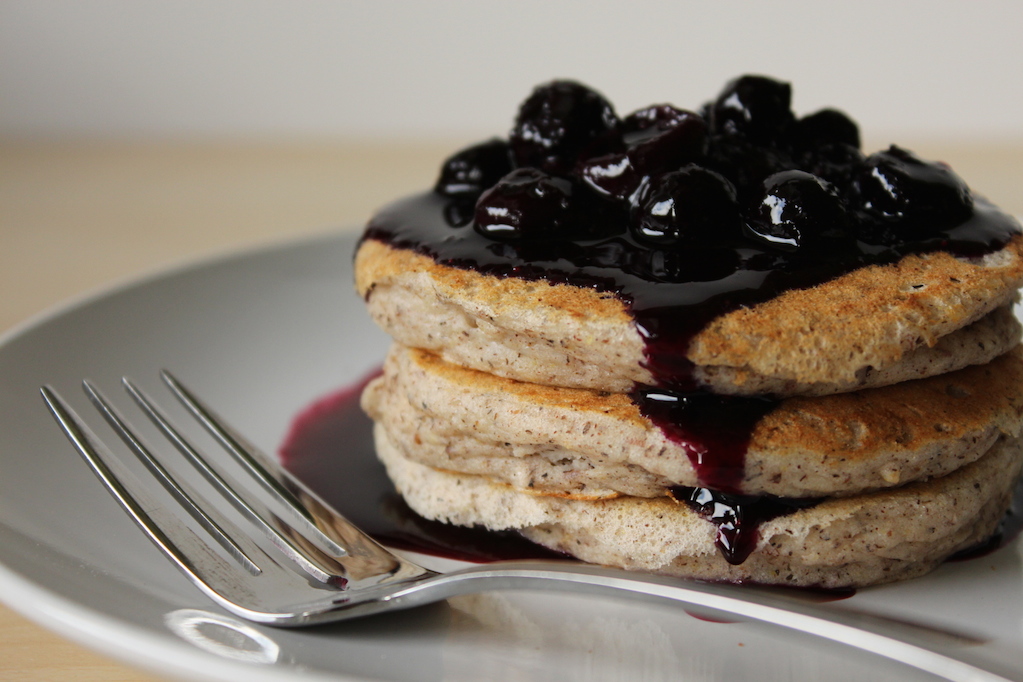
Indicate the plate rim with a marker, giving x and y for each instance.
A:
(96, 630)
(166, 270)
(116, 638)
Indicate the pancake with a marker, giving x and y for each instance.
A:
(878, 325)
(847, 542)
(603, 323)
(591, 445)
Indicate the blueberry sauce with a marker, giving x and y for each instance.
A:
(685, 216)
(738, 517)
(713, 430)
(671, 293)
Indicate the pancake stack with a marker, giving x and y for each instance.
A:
(701, 344)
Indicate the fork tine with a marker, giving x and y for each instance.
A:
(367, 561)
(271, 592)
(256, 581)
(186, 498)
(310, 558)
(312, 513)
(134, 497)
(278, 595)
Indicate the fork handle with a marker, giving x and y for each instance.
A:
(919, 646)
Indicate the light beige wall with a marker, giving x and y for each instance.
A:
(457, 68)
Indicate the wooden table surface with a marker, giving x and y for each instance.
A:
(76, 216)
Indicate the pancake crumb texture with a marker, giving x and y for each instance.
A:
(874, 326)
(870, 317)
(844, 542)
(659, 340)
(593, 445)
(556, 335)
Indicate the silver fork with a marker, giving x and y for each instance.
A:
(316, 567)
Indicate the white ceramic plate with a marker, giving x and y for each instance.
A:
(262, 334)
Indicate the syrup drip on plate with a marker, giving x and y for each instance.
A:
(330, 448)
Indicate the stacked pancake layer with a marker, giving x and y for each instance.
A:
(725, 345)
(896, 475)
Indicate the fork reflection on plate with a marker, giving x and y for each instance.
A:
(313, 566)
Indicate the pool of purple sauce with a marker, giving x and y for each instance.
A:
(330, 447)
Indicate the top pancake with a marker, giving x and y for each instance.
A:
(881, 324)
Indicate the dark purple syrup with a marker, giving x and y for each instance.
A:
(714, 431)
(684, 217)
(330, 448)
(738, 517)
(672, 294)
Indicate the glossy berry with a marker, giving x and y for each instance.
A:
(559, 123)
(651, 120)
(826, 127)
(662, 138)
(657, 139)
(611, 175)
(688, 207)
(746, 165)
(798, 211)
(525, 204)
(924, 197)
(755, 108)
(473, 169)
(837, 163)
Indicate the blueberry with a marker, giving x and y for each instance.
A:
(559, 123)
(651, 120)
(826, 127)
(799, 211)
(746, 164)
(838, 163)
(525, 204)
(754, 107)
(923, 197)
(692, 206)
(656, 139)
(611, 175)
(662, 138)
(473, 169)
